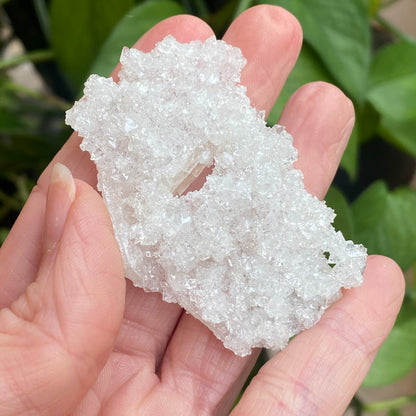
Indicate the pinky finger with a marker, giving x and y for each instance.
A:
(321, 369)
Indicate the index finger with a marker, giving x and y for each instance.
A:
(185, 29)
(321, 368)
(21, 252)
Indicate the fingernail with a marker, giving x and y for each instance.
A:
(62, 176)
(61, 194)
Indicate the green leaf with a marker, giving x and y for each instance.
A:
(391, 62)
(373, 7)
(397, 355)
(394, 412)
(221, 19)
(4, 232)
(385, 222)
(396, 99)
(349, 160)
(78, 29)
(43, 17)
(366, 120)
(340, 33)
(11, 123)
(308, 68)
(136, 22)
(366, 123)
(242, 5)
(400, 133)
(33, 56)
(31, 128)
(343, 221)
(392, 93)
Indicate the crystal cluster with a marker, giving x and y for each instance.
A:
(251, 254)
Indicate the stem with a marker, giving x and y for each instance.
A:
(34, 56)
(393, 29)
(43, 16)
(48, 98)
(242, 5)
(389, 404)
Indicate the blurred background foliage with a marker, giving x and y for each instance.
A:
(60, 42)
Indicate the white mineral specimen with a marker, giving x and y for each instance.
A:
(251, 254)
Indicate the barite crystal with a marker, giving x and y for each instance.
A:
(251, 253)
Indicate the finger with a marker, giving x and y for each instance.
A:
(207, 376)
(64, 326)
(270, 39)
(149, 321)
(320, 118)
(184, 28)
(61, 195)
(20, 254)
(147, 326)
(321, 369)
(258, 31)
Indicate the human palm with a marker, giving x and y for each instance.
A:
(75, 338)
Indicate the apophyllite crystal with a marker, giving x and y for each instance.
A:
(251, 254)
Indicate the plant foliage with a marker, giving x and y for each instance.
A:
(68, 40)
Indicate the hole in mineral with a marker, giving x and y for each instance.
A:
(199, 182)
(194, 175)
(327, 254)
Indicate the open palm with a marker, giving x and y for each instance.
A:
(75, 338)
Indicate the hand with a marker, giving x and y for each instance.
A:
(75, 338)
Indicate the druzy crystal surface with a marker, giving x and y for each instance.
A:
(251, 254)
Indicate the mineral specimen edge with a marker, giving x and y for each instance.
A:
(251, 253)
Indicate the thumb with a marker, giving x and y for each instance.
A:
(56, 338)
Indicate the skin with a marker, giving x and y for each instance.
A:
(76, 338)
